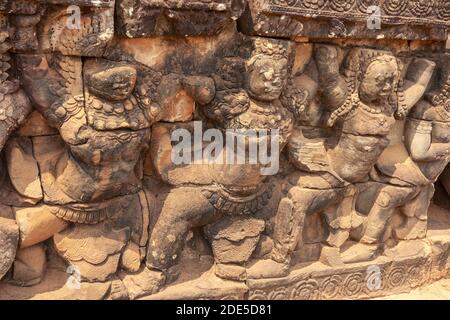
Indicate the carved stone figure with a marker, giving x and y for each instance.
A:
(409, 169)
(362, 105)
(92, 174)
(14, 108)
(234, 208)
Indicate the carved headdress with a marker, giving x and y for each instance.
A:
(440, 96)
(264, 48)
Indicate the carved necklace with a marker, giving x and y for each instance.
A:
(442, 101)
(444, 110)
(369, 109)
(262, 109)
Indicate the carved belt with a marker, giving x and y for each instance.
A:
(79, 216)
(90, 213)
(233, 205)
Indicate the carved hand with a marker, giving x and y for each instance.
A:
(201, 89)
(333, 86)
(327, 61)
(416, 81)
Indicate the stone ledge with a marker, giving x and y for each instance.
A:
(308, 282)
(347, 19)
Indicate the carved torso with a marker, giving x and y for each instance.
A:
(260, 115)
(368, 122)
(438, 118)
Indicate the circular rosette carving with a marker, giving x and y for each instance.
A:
(342, 5)
(363, 5)
(395, 7)
(353, 285)
(314, 4)
(443, 10)
(330, 287)
(374, 280)
(421, 8)
(278, 294)
(396, 277)
(306, 290)
(258, 295)
(415, 275)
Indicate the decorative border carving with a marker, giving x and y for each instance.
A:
(213, 5)
(430, 12)
(347, 282)
(85, 3)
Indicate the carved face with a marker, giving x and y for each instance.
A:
(113, 84)
(267, 78)
(379, 80)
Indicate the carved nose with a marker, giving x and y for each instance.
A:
(268, 75)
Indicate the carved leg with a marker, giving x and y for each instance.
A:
(290, 220)
(184, 209)
(416, 212)
(389, 198)
(289, 225)
(37, 225)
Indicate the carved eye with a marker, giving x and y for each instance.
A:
(113, 84)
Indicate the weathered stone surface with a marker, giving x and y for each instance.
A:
(330, 256)
(230, 271)
(94, 249)
(84, 35)
(208, 286)
(234, 240)
(350, 18)
(55, 286)
(161, 154)
(37, 225)
(6, 212)
(23, 169)
(35, 125)
(29, 266)
(145, 282)
(358, 252)
(131, 257)
(9, 240)
(176, 17)
(178, 105)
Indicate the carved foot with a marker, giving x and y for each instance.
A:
(230, 271)
(265, 269)
(331, 256)
(368, 240)
(359, 252)
(118, 291)
(144, 283)
(412, 229)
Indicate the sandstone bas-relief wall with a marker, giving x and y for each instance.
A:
(92, 205)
